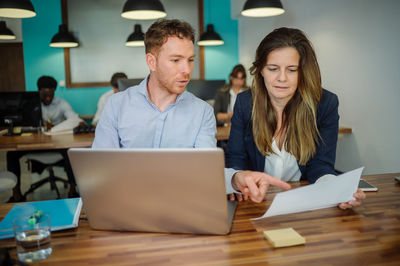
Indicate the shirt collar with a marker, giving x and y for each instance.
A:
(231, 92)
(143, 87)
(143, 90)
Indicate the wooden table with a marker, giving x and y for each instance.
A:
(223, 132)
(41, 141)
(369, 234)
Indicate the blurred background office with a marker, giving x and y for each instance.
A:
(355, 40)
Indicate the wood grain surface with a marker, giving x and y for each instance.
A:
(41, 141)
(367, 235)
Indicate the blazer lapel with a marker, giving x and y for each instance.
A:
(260, 161)
(257, 157)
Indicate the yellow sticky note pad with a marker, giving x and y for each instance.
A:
(26, 134)
(17, 130)
(284, 237)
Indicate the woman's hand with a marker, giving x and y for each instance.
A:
(359, 195)
(254, 185)
(235, 197)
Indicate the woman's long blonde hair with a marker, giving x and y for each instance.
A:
(300, 113)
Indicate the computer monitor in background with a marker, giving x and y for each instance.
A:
(205, 89)
(22, 109)
(123, 84)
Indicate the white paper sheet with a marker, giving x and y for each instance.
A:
(56, 133)
(66, 125)
(320, 195)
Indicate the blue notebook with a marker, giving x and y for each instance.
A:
(64, 214)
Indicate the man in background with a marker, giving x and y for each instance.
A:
(56, 112)
(103, 99)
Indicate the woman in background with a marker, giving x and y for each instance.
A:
(226, 96)
(286, 126)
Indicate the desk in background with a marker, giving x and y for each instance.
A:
(42, 142)
(39, 141)
(369, 234)
(65, 141)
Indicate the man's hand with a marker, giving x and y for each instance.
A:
(254, 185)
(48, 125)
(359, 195)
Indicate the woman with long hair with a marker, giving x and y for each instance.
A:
(286, 126)
(226, 96)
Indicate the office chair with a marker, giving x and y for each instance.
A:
(49, 160)
(8, 180)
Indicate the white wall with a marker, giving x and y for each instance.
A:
(102, 33)
(357, 44)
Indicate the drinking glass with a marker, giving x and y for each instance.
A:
(33, 239)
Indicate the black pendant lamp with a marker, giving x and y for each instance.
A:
(63, 38)
(16, 9)
(262, 8)
(6, 33)
(143, 9)
(210, 37)
(136, 39)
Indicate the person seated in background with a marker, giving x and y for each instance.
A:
(159, 112)
(55, 112)
(103, 99)
(225, 98)
(286, 126)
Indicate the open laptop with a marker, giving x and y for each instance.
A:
(154, 190)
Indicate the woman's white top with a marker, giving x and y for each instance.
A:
(232, 99)
(282, 164)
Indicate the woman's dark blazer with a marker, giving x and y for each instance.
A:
(242, 152)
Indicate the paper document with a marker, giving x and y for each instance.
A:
(320, 195)
(66, 125)
(49, 133)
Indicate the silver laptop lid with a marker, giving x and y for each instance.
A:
(153, 190)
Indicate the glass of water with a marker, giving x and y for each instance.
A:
(33, 239)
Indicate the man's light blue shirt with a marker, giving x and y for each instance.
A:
(131, 120)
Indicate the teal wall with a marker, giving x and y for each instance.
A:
(219, 60)
(41, 59)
